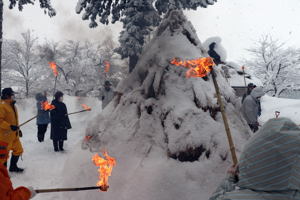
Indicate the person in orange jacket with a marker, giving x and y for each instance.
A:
(9, 131)
(7, 192)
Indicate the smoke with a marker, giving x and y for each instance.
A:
(72, 27)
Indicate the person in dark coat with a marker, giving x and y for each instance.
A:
(60, 122)
(43, 117)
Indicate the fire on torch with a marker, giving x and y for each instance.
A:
(85, 108)
(105, 165)
(200, 68)
(46, 106)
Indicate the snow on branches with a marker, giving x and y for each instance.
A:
(44, 4)
(275, 65)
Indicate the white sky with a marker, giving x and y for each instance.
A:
(238, 22)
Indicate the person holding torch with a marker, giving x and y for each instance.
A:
(7, 192)
(9, 131)
(60, 122)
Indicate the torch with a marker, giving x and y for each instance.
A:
(85, 108)
(105, 164)
(71, 189)
(45, 106)
(244, 74)
(200, 68)
(53, 66)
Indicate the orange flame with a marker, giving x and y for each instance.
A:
(197, 68)
(54, 68)
(47, 106)
(107, 66)
(88, 138)
(85, 107)
(105, 168)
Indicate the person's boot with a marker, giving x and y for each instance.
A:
(61, 145)
(55, 145)
(13, 165)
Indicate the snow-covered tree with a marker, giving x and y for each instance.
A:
(22, 61)
(138, 18)
(166, 131)
(44, 4)
(276, 66)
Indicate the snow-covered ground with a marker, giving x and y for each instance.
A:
(287, 107)
(44, 168)
(48, 169)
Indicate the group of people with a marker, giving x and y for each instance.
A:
(58, 117)
(10, 134)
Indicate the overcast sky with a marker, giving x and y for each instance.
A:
(238, 22)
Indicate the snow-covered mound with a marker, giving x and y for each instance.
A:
(159, 120)
(289, 108)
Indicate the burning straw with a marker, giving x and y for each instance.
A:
(200, 68)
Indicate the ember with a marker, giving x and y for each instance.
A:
(105, 168)
(197, 68)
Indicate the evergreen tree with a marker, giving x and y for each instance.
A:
(138, 18)
(44, 4)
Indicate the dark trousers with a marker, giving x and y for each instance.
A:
(42, 128)
(58, 145)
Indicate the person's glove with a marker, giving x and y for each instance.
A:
(32, 192)
(14, 128)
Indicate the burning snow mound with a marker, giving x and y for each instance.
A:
(160, 119)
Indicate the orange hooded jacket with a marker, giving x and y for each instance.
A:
(6, 190)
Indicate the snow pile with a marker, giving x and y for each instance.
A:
(158, 120)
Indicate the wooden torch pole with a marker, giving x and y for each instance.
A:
(225, 120)
(54, 86)
(71, 189)
(28, 121)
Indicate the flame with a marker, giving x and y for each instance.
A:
(54, 68)
(47, 106)
(107, 66)
(88, 138)
(197, 68)
(105, 168)
(85, 107)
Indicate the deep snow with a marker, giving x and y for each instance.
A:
(47, 169)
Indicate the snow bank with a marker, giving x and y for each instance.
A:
(160, 119)
(289, 108)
